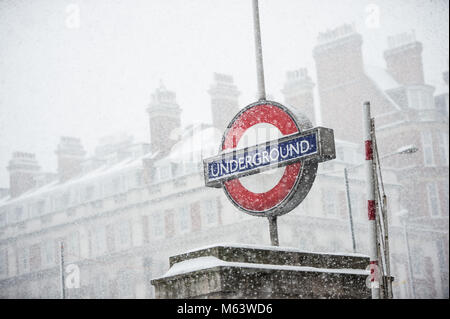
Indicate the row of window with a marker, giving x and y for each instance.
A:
(102, 239)
(333, 200)
(173, 170)
(115, 237)
(430, 141)
(121, 284)
(78, 195)
(110, 238)
(420, 99)
(46, 253)
(185, 219)
(69, 198)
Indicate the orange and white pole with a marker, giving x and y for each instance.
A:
(371, 205)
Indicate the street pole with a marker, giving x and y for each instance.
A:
(408, 254)
(349, 205)
(379, 230)
(61, 269)
(386, 248)
(258, 52)
(273, 229)
(383, 228)
(371, 208)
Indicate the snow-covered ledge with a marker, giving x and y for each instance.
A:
(245, 271)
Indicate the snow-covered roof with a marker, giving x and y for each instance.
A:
(104, 170)
(382, 78)
(274, 248)
(197, 142)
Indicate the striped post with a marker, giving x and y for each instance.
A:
(371, 206)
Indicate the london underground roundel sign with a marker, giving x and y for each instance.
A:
(268, 159)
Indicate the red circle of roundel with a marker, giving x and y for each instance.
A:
(260, 202)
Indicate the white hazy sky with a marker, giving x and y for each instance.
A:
(96, 79)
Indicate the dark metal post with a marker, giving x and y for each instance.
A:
(61, 268)
(349, 205)
(273, 229)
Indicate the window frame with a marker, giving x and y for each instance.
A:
(433, 193)
(427, 150)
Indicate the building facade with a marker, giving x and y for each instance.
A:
(406, 112)
(120, 213)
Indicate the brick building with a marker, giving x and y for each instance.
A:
(124, 210)
(405, 113)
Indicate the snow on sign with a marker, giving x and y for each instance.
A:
(268, 159)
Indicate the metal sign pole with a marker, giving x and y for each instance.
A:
(258, 52)
(371, 205)
(262, 96)
(273, 230)
(384, 215)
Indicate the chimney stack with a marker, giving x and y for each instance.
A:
(404, 59)
(298, 92)
(23, 169)
(164, 116)
(341, 79)
(70, 154)
(338, 57)
(224, 100)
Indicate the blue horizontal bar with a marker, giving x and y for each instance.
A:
(237, 162)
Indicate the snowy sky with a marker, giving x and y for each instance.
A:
(87, 68)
